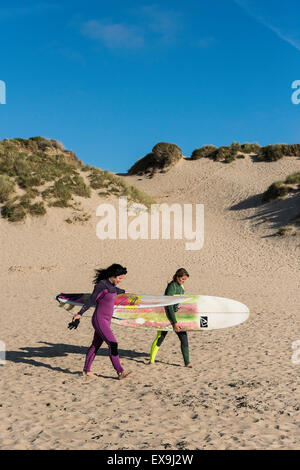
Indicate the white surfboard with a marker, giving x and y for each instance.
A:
(127, 300)
(198, 312)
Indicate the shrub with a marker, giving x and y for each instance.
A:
(37, 209)
(14, 212)
(59, 203)
(250, 148)
(275, 152)
(61, 190)
(235, 147)
(57, 144)
(98, 179)
(7, 187)
(222, 153)
(113, 184)
(41, 142)
(275, 191)
(65, 187)
(34, 169)
(294, 178)
(78, 218)
(290, 150)
(163, 156)
(136, 195)
(271, 153)
(86, 167)
(229, 159)
(286, 230)
(203, 152)
(32, 193)
(27, 182)
(78, 186)
(24, 201)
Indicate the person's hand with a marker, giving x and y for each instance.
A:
(176, 327)
(75, 322)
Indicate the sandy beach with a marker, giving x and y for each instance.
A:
(243, 392)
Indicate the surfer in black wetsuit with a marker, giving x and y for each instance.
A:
(175, 287)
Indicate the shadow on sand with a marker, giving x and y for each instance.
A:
(29, 355)
(276, 213)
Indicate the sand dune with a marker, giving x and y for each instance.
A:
(243, 392)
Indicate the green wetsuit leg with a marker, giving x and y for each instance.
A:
(182, 335)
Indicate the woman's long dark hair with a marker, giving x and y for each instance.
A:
(179, 273)
(112, 271)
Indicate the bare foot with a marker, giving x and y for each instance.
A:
(189, 365)
(124, 374)
(88, 374)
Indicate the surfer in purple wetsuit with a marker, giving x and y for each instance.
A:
(104, 294)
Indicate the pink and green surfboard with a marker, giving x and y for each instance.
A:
(196, 312)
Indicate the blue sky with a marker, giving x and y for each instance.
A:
(111, 79)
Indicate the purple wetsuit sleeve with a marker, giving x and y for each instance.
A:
(120, 291)
(92, 300)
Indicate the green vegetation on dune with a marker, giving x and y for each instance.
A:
(275, 192)
(250, 148)
(16, 210)
(61, 192)
(286, 231)
(113, 184)
(207, 151)
(36, 144)
(7, 187)
(163, 156)
(269, 153)
(276, 152)
(281, 190)
(294, 178)
(34, 169)
(227, 154)
(223, 154)
(44, 174)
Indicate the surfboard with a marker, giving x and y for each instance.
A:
(198, 312)
(126, 300)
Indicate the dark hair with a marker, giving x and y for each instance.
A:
(112, 271)
(180, 273)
